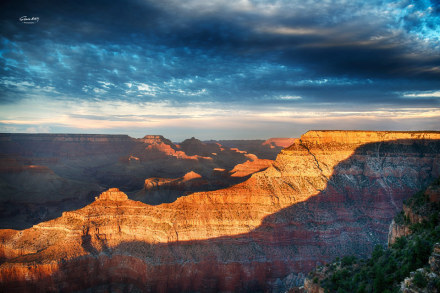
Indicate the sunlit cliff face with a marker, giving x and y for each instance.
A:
(300, 172)
(330, 193)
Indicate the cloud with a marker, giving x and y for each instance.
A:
(147, 89)
(429, 94)
(139, 119)
(292, 31)
(216, 56)
(290, 98)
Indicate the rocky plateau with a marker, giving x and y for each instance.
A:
(330, 193)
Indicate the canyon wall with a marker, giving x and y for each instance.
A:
(264, 149)
(417, 210)
(64, 145)
(279, 142)
(331, 193)
(410, 263)
(42, 175)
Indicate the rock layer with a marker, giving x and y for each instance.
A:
(160, 190)
(413, 212)
(331, 193)
(249, 167)
(64, 145)
(42, 175)
(279, 142)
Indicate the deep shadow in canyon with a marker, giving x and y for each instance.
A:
(43, 175)
(350, 216)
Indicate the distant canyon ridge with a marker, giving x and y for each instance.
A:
(42, 175)
(199, 216)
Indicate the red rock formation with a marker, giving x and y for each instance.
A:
(238, 151)
(159, 190)
(396, 231)
(152, 184)
(194, 146)
(158, 147)
(279, 142)
(412, 213)
(16, 165)
(249, 167)
(190, 176)
(112, 194)
(329, 194)
(257, 147)
(42, 175)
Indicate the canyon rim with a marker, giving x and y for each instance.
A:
(328, 194)
(218, 146)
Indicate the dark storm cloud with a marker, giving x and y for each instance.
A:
(78, 21)
(260, 52)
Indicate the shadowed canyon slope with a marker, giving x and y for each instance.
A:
(330, 193)
(42, 175)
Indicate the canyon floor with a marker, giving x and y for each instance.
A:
(109, 213)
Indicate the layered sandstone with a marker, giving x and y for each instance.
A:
(249, 167)
(112, 194)
(42, 175)
(283, 142)
(258, 147)
(158, 147)
(415, 213)
(159, 190)
(329, 194)
(194, 146)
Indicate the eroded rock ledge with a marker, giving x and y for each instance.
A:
(331, 193)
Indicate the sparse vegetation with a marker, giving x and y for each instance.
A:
(388, 267)
(419, 280)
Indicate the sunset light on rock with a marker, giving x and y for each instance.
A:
(282, 146)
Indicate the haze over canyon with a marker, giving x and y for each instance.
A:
(110, 212)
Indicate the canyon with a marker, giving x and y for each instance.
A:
(42, 175)
(409, 263)
(328, 194)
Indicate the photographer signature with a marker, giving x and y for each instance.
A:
(29, 20)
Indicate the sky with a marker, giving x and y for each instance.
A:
(220, 69)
